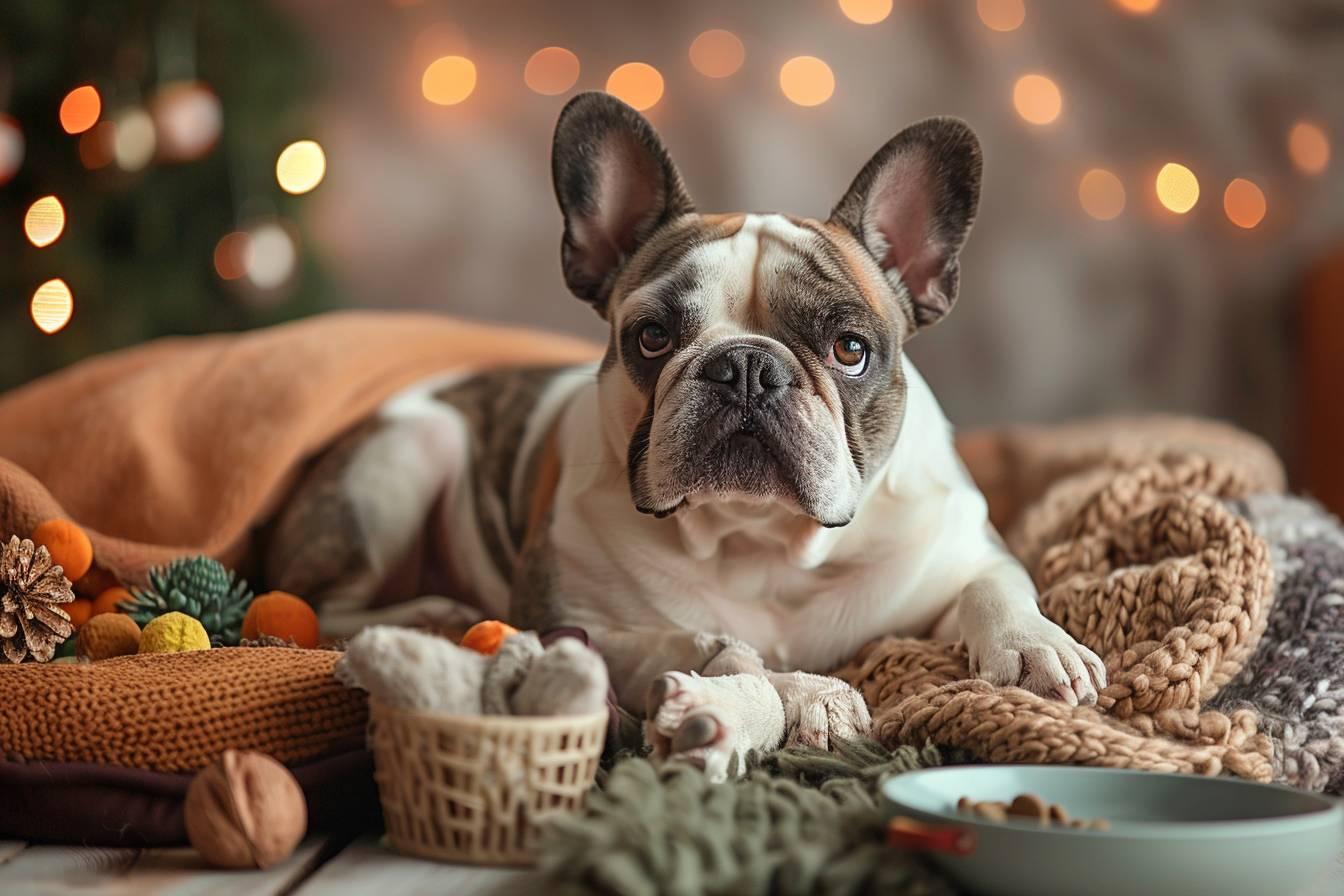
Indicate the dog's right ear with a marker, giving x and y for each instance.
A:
(615, 184)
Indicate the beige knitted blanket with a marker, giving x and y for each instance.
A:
(1122, 525)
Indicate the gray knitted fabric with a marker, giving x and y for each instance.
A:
(801, 821)
(1295, 678)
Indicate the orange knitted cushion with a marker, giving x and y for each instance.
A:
(177, 712)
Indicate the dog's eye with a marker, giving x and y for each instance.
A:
(849, 355)
(654, 340)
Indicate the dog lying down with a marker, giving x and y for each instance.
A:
(754, 481)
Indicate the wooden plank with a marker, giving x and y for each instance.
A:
(10, 848)
(367, 867)
(61, 870)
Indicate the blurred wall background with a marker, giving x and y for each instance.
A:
(1082, 292)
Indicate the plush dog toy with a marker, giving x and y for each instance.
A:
(414, 670)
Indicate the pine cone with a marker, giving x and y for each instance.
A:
(200, 587)
(31, 590)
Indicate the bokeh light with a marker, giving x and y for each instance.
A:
(717, 53)
(1138, 7)
(231, 256)
(1037, 99)
(1001, 15)
(133, 142)
(45, 221)
(300, 167)
(80, 109)
(449, 80)
(188, 118)
(807, 80)
(1244, 203)
(52, 306)
(551, 71)
(1101, 194)
(637, 83)
(1177, 187)
(11, 148)
(97, 145)
(269, 256)
(866, 12)
(1309, 147)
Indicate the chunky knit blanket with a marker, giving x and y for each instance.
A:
(1295, 679)
(1151, 547)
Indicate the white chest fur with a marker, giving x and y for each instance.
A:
(804, 596)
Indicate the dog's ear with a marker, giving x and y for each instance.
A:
(911, 207)
(615, 184)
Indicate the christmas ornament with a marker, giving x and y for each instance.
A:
(281, 615)
(108, 635)
(173, 633)
(69, 546)
(199, 587)
(32, 589)
(188, 118)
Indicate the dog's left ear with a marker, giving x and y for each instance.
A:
(911, 207)
(616, 185)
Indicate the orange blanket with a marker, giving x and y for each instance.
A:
(181, 446)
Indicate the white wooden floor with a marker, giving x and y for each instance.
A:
(318, 868)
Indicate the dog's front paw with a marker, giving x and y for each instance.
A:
(712, 722)
(819, 707)
(1040, 656)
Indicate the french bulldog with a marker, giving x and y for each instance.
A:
(752, 483)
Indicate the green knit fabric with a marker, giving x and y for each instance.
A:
(801, 821)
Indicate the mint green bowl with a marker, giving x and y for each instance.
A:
(1177, 834)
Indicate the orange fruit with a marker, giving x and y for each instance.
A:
(69, 546)
(80, 609)
(281, 615)
(487, 636)
(106, 601)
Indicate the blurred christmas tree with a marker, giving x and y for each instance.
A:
(156, 126)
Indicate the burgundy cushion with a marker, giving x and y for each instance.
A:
(99, 805)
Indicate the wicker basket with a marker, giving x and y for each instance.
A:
(475, 788)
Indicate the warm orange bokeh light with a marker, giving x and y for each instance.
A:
(80, 109)
(52, 306)
(637, 83)
(449, 80)
(1001, 15)
(717, 53)
(1177, 188)
(1244, 203)
(806, 80)
(551, 71)
(1101, 194)
(1138, 7)
(96, 145)
(231, 256)
(1308, 147)
(866, 12)
(45, 221)
(1037, 99)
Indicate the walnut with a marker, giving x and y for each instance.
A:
(245, 811)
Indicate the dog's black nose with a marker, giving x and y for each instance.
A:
(746, 372)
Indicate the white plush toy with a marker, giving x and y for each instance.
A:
(414, 670)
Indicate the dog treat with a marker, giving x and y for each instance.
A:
(1030, 806)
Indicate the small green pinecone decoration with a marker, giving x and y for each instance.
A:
(200, 587)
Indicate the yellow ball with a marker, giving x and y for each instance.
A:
(173, 633)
